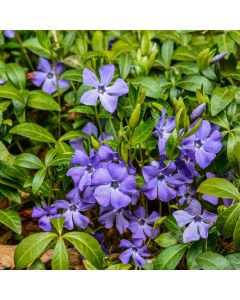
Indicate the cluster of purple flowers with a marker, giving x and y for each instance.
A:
(102, 179)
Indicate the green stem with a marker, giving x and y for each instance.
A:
(98, 122)
(24, 51)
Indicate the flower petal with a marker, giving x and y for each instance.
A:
(102, 194)
(44, 65)
(106, 74)
(90, 78)
(182, 217)
(191, 233)
(204, 158)
(49, 86)
(101, 177)
(38, 78)
(118, 199)
(125, 256)
(119, 88)
(80, 220)
(90, 97)
(109, 102)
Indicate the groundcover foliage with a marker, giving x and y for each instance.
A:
(122, 146)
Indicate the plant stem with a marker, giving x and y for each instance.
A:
(98, 122)
(24, 51)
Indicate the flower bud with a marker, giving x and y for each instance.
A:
(218, 57)
(133, 121)
(95, 143)
(198, 111)
(124, 151)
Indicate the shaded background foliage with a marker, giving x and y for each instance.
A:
(171, 69)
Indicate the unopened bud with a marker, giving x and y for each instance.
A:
(133, 121)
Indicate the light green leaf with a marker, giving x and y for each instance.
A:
(9, 92)
(97, 41)
(34, 132)
(58, 224)
(119, 267)
(61, 159)
(16, 75)
(166, 240)
(87, 246)
(60, 256)
(167, 52)
(234, 260)
(220, 120)
(70, 135)
(232, 140)
(169, 258)
(33, 45)
(152, 85)
(219, 187)
(31, 248)
(11, 219)
(193, 252)
(213, 261)
(73, 74)
(142, 132)
(193, 82)
(124, 65)
(29, 161)
(236, 234)
(38, 180)
(83, 109)
(220, 99)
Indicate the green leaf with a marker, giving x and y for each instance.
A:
(234, 260)
(34, 132)
(9, 92)
(193, 252)
(184, 54)
(29, 161)
(167, 52)
(193, 82)
(232, 140)
(37, 265)
(58, 224)
(124, 65)
(213, 261)
(119, 267)
(43, 101)
(83, 109)
(38, 180)
(220, 120)
(43, 39)
(11, 219)
(236, 234)
(166, 240)
(169, 258)
(87, 246)
(220, 99)
(16, 75)
(235, 35)
(142, 132)
(33, 45)
(4, 153)
(70, 135)
(60, 256)
(97, 41)
(153, 88)
(50, 156)
(193, 129)
(227, 220)
(61, 159)
(10, 193)
(219, 187)
(171, 224)
(88, 265)
(31, 248)
(73, 74)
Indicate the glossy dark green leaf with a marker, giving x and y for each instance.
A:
(169, 258)
(193, 82)
(38, 180)
(234, 260)
(142, 132)
(83, 109)
(193, 252)
(33, 45)
(220, 99)
(29, 161)
(16, 75)
(43, 101)
(227, 220)
(9, 92)
(34, 132)
(10, 193)
(213, 261)
(236, 234)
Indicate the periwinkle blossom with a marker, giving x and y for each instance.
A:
(198, 221)
(88, 129)
(86, 200)
(205, 143)
(136, 250)
(185, 164)
(72, 215)
(186, 194)
(164, 127)
(9, 33)
(45, 214)
(140, 224)
(82, 174)
(111, 215)
(214, 200)
(114, 186)
(218, 57)
(197, 112)
(161, 181)
(46, 77)
(2, 81)
(108, 95)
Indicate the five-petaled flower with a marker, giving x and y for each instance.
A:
(47, 76)
(199, 221)
(108, 95)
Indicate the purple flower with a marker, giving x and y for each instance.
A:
(185, 164)
(71, 212)
(9, 33)
(110, 215)
(47, 78)
(214, 200)
(161, 182)
(218, 57)
(186, 193)
(114, 186)
(134, 250)
(108, 95)
(205, 143)
(199, 222)
(163, 130)
(89, 129)
(82, 175)
(45, 214)
(198, 111)
(2, 81)
(140, 224)
(87, 201)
